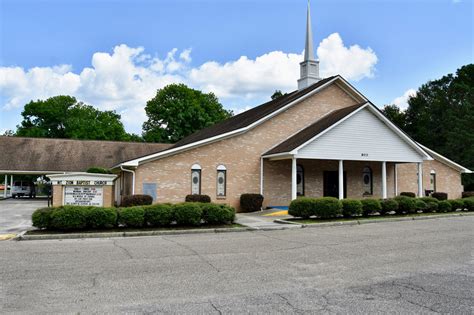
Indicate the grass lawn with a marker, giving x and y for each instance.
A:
(124, 229)
(375, 217)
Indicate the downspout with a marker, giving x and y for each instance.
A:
(133, 178)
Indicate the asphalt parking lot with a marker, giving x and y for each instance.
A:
(15, 214)
(411, 267)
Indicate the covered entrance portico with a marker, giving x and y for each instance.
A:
(355, 149)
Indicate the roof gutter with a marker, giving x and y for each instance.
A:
(133, 177)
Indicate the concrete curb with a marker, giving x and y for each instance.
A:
(23, 237)
(358, 222)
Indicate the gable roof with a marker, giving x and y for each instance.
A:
(36, 155)
(247, 120)
(445, 160)
(313, 130)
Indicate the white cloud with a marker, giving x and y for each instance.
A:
(126, 78)
(402, 101)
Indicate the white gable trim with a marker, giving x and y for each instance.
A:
(446, 161)
(161, 154)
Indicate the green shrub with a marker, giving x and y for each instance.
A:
(301, 207)
(351, 207)
(456, 204)
(68, 218)
(327, 207)
(131, 216)
(420, 205)
(408, 194)
(405, 204)
(159, 214)
(388, 205)
(251, 202)
(440, 195)
(444, 206)
(217, 214)
(41, 218)
(99, 217)
(98, 170)
(431, 204)
(370, 206)
(469, 203)
(136, 200)
(197, 198)
(188, 213)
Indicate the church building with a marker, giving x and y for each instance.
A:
(323, 139)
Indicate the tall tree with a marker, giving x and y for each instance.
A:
(277, 94)
(396, 115)
(178, 111)
(63, 117)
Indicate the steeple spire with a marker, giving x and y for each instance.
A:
(309, 68)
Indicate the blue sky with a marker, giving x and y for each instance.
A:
(115, 54)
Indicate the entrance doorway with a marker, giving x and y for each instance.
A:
(331, 184)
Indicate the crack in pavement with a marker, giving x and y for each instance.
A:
(297, 310)
(123, 249)
(193, 251)
(215, 307)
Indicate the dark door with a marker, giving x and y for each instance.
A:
(331, 184)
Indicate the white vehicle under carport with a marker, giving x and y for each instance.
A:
(23, 188)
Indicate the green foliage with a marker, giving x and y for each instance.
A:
(99, 218)
(178, 111)
(456, 204)
(98, 170)
(408, 194)
(440, 195)
(395, 114)
(251, 202)
(301, 207)
(217, 214)
(197, 198)
(159, 214)
(68, 218)
(469, 203)
(41, 218)
(388, 205)
(136, 200)
(188, 213)
(431, 204)
(63, 117)
(370, 206)
(444, 206)
(277, 94)
(420, 206)
(406, 204)
(351, 207)
(131, 216)
(327, 207)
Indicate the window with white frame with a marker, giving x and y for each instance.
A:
(196, 179)
(221, 181)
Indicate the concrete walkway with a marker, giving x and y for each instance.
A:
(264, 220)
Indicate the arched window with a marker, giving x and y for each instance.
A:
(196, 179)
(221, 181)
(299, 180)
(367, 181)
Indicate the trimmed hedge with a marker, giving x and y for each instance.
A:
(251, 202)
(187, 213)
(431, 204)
(327, 207)
(131, 216)
(136, 200)
(469, 203)
(408, 194)
(405, 204)
(217, 214)
(41, 218)
(100, 217)
(420, 205)
(197, 198)
(351, 207)
(456, 204)
(301, 207)
(440, 195)
(444, 206)
(388, 205)
(69, 218)
(370, 206)
(159, 214)
(467, 194)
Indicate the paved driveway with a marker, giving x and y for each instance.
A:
(413, 267)
(15, 214)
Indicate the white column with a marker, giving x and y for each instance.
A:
(6, 186)
(293, 178)
(261, 176)
(384, 180)
(420, 179)
(341, 179)
(396, 179)
(11, 184)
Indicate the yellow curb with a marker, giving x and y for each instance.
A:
(4, 237)
(277, 214)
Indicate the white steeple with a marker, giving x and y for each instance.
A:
(309, 68)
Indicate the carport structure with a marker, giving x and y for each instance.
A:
(45, 156)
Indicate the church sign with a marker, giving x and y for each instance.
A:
(83, 196)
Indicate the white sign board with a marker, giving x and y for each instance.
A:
(83, 196)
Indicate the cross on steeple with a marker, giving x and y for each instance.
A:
(309, 68)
